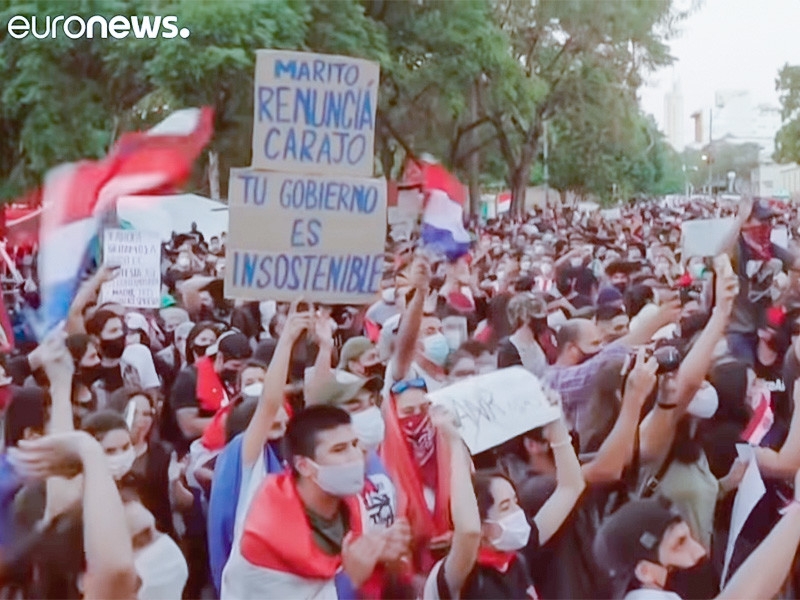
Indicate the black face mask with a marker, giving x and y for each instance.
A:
(200, 349)
(376, 370)
(88, 375)
(112, 348)
(229, 377)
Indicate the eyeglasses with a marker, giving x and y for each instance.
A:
(409, 384)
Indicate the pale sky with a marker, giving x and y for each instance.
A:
(727, 45)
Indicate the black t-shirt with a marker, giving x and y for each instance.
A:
(184, 391)
(487, 583)
(772, 376)
(112, 378)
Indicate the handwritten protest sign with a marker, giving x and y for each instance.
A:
(704, 237)
(138, 256)
(493, 408)
(314, 113)
(321, 237)
(748, 495)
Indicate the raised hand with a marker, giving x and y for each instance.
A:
(361, 555)
(297, 322)
(55, 358)
(59, 454)
(642, 378)
(445, 422)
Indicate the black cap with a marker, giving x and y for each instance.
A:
(233, 345)
(631, 534)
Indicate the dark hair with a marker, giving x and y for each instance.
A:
(197, 330)
(608, 312)
(604, 406)
(568, 333)
(474, 348)
(78, 344)
(99, 423)
(637, 297)
(482, 484)
(95, 325)
(25, 411)
(118, 400)
(301, 434)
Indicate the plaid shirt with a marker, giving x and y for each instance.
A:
(575, 383)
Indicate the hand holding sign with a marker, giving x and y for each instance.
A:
(493, 408)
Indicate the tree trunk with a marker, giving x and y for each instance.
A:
(473, 163)
(213, 174)
(521, 174)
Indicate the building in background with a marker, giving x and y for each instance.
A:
(673, 116)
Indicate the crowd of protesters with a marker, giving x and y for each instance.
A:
(221, 449)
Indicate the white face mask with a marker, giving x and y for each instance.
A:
(369, 427)
(253, 391)
(341, 480)
(515, 532)
(436, 349)
(119, 464)
(162, 569)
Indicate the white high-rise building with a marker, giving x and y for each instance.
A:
(674, 125)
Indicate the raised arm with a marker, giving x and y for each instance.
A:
(658, 428)
(649, 324)
(569, 482)
(463, 506)
(729, 241)
(88, 292)
(322, 371)
(110, 571)
(616, 452)
(764, 572)
(411, 320)
(255, 436)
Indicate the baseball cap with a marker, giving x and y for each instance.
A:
(353, 349)
(233, 344)
(631, 534)
(343, 387)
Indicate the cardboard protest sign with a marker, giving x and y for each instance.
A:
(320, 237)
(138, 256)
(704, 237)
(493, 408)
(314, 113)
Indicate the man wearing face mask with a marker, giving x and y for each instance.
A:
(359, 398)
(209, 385)
(642, 543)
(303, 527)
(582, 353)
(421, 349)
(360, 357)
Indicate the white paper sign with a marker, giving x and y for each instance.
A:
(493, 408)
(138, 256)
(780, 237)
(704, 237)
(751, 490)
(314, 113)
(321, 237)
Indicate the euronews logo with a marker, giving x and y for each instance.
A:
(75, 27)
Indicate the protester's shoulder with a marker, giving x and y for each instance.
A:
(786, 256)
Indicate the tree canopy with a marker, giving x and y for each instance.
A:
(470, 82)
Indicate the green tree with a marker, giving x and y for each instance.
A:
(550, 41)
(787, 140)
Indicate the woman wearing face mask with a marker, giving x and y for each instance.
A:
(158, 560)
(489, 530)
(154, 474)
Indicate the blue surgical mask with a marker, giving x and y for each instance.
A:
(436, 349)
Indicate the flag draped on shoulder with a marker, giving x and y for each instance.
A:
(77, 195)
